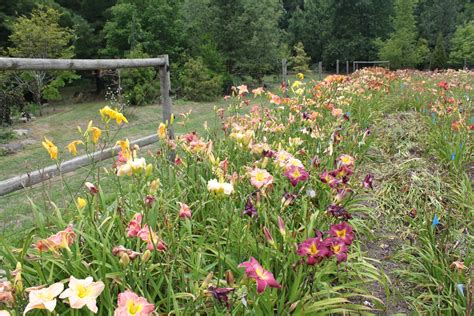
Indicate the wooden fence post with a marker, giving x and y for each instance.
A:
(165, 87)
(320, 70)
(347, 67)
(337, 66)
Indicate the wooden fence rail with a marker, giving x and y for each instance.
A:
(35, 177)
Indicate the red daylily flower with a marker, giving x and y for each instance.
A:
(338, 248)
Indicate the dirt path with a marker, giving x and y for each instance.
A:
(396, 154)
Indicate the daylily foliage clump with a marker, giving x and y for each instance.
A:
(257, 216)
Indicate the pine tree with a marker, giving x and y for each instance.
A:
(439, 57)
(401, 48)
(299, 61)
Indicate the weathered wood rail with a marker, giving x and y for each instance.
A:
(23, 64)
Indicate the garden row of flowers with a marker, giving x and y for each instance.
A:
(261, 215)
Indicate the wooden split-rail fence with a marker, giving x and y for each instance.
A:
(33, 64)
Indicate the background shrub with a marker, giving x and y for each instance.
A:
(198, 82)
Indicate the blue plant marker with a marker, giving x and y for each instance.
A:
(435, 221)
(433, 117)
(453, 156)
(348, 113)
(460, 288)
(472, 120)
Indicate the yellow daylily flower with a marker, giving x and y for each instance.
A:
(72, 146)
(51, 148)
(162, 131)
(96, 133)
(81, 203)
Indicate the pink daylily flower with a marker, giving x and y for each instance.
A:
(130, 304)
(260, 178)
(264, 278)
(185, 211)
(61, 240)
(151, 238)
(338, 248)
(135, 225)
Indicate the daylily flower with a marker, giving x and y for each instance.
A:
(83, 293)
(184, 211)
(332, 181)
(338, 212)
(135, 225)
(149, 200)
(72, 146)
(51, 148)
(132, 166)
(96, 133)
(60, 240)
(343, 231)
(250, 209)
(130, 304)
(161, 131)
(92, 188)
(314, 249)
(257, 92)
(338, 248)
(44, 298)
(368, 181)
(345, 160)
(242, 90)
(120, 250)
(458, 265)
(81, 203)
(264, 278)
(6, 293)
(221, 294)
(4, 313)
(260, 178)
(288, 199)
(109, 114)
(151, 238)
(220, 188)
(296, 175)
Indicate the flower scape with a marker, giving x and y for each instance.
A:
(259, 216)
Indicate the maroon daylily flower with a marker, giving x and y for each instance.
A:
(264, 278)
(343, 231)
(221, 294)
(296, 174)
(314, 249)
(368, 181)
(250, 209)
(338, 211)
(329, 179)
(338, 248)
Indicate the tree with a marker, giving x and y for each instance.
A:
(401, 48)
(199, 83)
(300, 61)
(462, 52)
(154, 24)
(439, 57)
(41, 36)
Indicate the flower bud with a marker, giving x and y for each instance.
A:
(124, 259)
(146, 256)
(154, 185)
(229, 278)
(149, 170)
